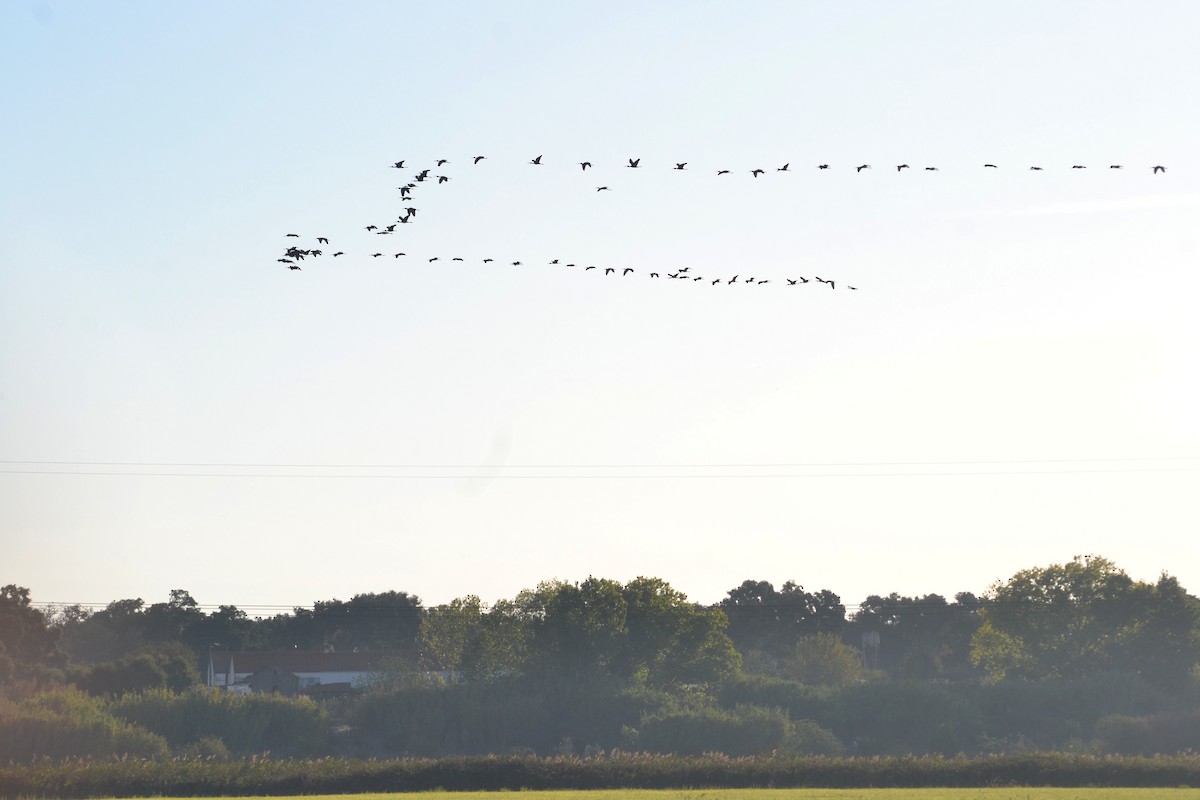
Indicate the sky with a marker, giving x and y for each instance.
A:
(1011, 383)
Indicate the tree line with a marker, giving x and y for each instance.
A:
(1056, 656)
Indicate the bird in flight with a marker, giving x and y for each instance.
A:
(371, 228)
(993, 166)
(435, 258)
(398, 255)
(633, 163)
(376, 255)
(784, 168)
(1078, 166)
(931, 169)
(322, 240)
(627, 270)
(488, 260)
(756, 172)
(537, 160)
(1160, 169)
(603, 189)
(293, 266)
(479, 158)
(681, 165)
(583, 165)
(722, 172)
(733, 280)
(609, 270)
(901, 166)
(653, 274)
(822, 166)
(398, 165)
(585, 269)
(294, 235)
(442, 179)
(338, 253)
(1115, 166)
(862, 167)
(443, 161)
(791, 282)
(1036, 168)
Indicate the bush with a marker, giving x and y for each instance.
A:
(1177, 732)
(245, 724)
(744, 731)
(65, 723)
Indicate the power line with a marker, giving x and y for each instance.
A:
(762, 465)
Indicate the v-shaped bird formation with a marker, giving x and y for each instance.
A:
(293, 254)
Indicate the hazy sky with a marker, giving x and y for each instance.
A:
(1013, 382)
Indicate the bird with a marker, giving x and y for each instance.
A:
(681, 165)
(633, 163)
(749, 280)
(488, 260)
(855, 288)
(609, 270)
(784, 168)
(516, 263)
(756, 172)
(322, 240)
(371, 228)
(435, 258)
(294, 235)
(803, 279)
(1110, 166)
(822, 280)
(672, 274)
(684, 269)
(1036, 168)
(442, 179)
(456, 258)
(603, 189)
(653, 274)
(412, 212)
(861, 168)
(583, 165)
(627, 270)
(931, 169)
(285, 261)
(443, 161)
(338, 253)
(293, 266)
(398, 255)
(993, 166)
(1160, 169)
(716, 281)
(1078, 166)
(722, 172)
(698, 278)
(376, 255)
(791, 282)
(555, 261)
(822, 166)
(733, 279)
(398, 165)
(479, 158)
(537, 160)
(901, 166)
(585, 269)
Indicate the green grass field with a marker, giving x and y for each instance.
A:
(1004, 793)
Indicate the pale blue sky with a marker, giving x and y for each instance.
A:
(1022, 323)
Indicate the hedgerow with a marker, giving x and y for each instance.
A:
(265, 776)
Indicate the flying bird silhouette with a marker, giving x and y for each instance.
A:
(681, 165)
(633, 163)
(901, 166)
(603, 189)
(784, 168)
(583, 165)
(722, 172)
(931, 169)
(822, 166)
(756, 172)
(294, 235)
(322, 240)
(1160, 169)
(398, 165)
(537, 160)
(861, 168)
(993, 166)
(479, 158)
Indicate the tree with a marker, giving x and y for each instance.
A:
(26, 638)
(920, 637)
(1087, 616)
(769, 621)
(824, 660)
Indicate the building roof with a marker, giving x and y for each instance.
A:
(297, 661)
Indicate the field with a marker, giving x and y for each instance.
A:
(1000, 793)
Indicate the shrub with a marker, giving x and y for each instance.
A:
(65, 723)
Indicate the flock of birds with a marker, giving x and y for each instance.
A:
(294, 254)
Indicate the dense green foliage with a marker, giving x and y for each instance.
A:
(1076, 657)
(265, 777)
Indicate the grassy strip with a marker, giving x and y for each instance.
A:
(993, 793)
(264, 776)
